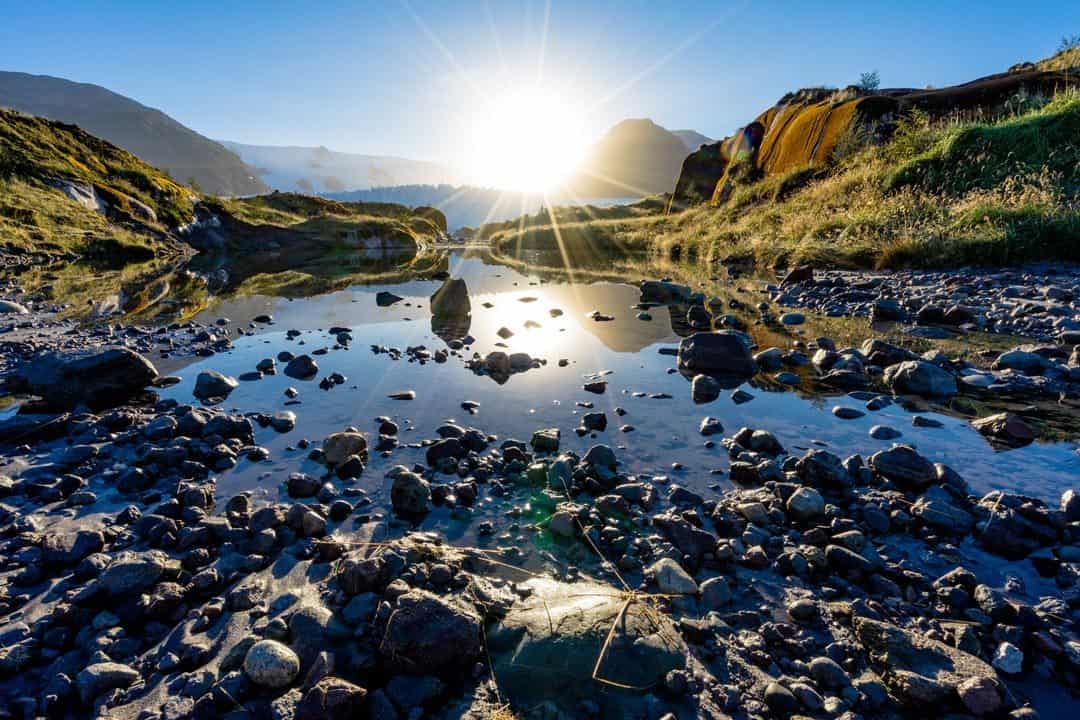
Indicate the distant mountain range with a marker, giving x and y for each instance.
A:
(463, 205)
(634, 158)
(151, 134)
(692, 139)
(320, 170)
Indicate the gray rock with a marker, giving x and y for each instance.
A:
(725, 353)
(332, 699)
(451, 299)
(918, 377)
(340, 446)
(302, 367)
(97, 678)
(410, 494)
(131, 572)
(211, 384)
(904, 466)
(8, 307)
(671, 578)
(98, 379)
(805, 504)
(271, 664)
(428, 634)
(1006, 429)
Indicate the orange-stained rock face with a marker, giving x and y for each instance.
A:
(803, 128)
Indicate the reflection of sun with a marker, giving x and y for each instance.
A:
(540, 341)
(528, 139)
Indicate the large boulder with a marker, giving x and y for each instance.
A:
(429, 634)
(904, 466)
(98, 379)
(340, 446)
(271, 664)
(919, 671)
(723, 354)
(210, 385)
(1005, 429)
(918, 377)
(554, 639)
(452, 299)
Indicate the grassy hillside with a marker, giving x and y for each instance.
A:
(140, 203)
(148, 133)
(936, 193)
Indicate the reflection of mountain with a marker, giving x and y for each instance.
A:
(623, 334)
(320, 170)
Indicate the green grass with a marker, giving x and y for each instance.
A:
(945, 194)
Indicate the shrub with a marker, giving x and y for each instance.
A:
(869, 81)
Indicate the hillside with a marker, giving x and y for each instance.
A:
(692, 139)
(65, 191)
(320, 170)
(987, 172)
(635, 158)
(151, 134)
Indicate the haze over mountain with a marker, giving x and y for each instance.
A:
(692, 139)
(321, 170)
(148, 133)
(634, 158)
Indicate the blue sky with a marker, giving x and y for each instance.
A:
(402, 78)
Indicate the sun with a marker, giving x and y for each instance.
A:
(527, 139)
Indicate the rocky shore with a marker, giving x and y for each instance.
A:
(812, 585)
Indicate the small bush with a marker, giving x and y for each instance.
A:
(869, 81)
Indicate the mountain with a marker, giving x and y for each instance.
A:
(692, 139)
(151, 134)
(463, 205)
(635, 158)
(319, 170)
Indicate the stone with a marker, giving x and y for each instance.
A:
(131, 572)
(710, 426)
(99, 379)
(1006, 429)
(918, 377)
(546, 440)
(430, 634)
(271, 664)
(553, 638)
(780, 700)
(1028, 363)
(704, 388)
(70, 548)
(340, 446)
(904, 466)
(386, 299)
(979, 695)
(302, 367)
(715, 593)
(1009, 659)
(410, 494)
(95, 679)
(211, 385)
(451, 299)
(828, 674)
(9, 307)
(671, 578)
(725, 353)
(805, 504)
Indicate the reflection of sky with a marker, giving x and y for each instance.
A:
(666, 430)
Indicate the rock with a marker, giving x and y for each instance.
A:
(546, 440)
(663, 293)
(710, 426)
(99, 379)
(1070, 505)
(332, 699)
(97, 678)
(131, 572)
(340, 446)
(723, 353)
(386, 299)
(704, 388)
(822, 469)
(918, 670)
(847, 413)
(561, 523)
(70, 548)
(937, 509)
(1009, 659)
(1006, 429)
(1028, 363)
(715, 594)
(302, 485)
(429, 634)
(211, 384)
(902, 465)
(271, 664)
(828, 674)
(410, 494)
(8, 307)
(451, 299)
(553, 639)
(799, 274)
(671, 578)
(918, 377)
(302, 367)
(979, 695)
(805, 503)
(792, 318)
(884, 432)
(780, 700)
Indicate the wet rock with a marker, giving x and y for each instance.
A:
(917, 377)
(724, 353)
(452, 299)
(704, 388)
(211, 384)
(904, 466)
(710, 426)
(302, 367)
(340, 446)
(1006, 429)
(780, 700)
(386, 299)
(429, 634)
(97, 678)
(663, 293)
(937, 509)
(410, 494)
(271, 664)
(546, 440)
(822, 469)
(98, 379)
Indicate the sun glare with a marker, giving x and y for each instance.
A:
(527, 140)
